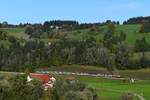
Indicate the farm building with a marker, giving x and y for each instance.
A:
(47, 80)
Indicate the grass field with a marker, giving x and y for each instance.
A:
(112, 89)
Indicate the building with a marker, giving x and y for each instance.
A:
(47, 80)
(71, 79)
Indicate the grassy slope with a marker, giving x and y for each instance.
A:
(16, 32)
(130, 30)
(132, 33)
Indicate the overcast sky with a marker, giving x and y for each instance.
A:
(36, 11)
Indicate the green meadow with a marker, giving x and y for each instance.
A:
(109, 89)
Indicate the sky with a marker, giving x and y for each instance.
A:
(84, 11)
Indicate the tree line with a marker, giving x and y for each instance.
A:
(110, 52)
(138, 20)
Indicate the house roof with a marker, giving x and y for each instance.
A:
(45, 78)
(71, 78)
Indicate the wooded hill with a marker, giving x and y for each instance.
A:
(56, 43)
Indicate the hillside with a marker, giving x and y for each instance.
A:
(131, 31)
(106, 45)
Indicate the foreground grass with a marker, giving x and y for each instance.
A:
(112, 89)
(107, 89)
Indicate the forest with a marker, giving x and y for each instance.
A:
(56, 43)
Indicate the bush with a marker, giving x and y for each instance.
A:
(128, 96)
(72, 91)
(71, 95)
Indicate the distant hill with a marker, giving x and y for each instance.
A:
(138, 20)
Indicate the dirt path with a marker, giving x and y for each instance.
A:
(139, 96)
